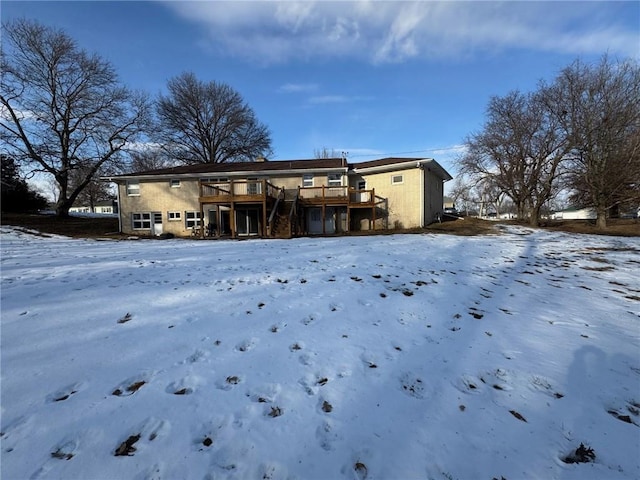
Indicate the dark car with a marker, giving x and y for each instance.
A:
(451, 211)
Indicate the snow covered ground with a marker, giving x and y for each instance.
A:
(386, 357)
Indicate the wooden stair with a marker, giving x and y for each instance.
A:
(281, 227)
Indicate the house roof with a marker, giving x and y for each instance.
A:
(395, 163)
(385, 162)
(228, 167)
(315, 164)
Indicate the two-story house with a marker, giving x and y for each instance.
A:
(281, 198)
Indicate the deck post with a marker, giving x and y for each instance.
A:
(373, 200)
(264, 209)
(201, 220)
(232, 219)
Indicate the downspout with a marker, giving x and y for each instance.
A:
(119, 207)
(422, 222)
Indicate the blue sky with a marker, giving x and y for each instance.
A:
(370, 78)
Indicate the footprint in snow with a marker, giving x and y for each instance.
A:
(197, 356)
(233, 460)
(369, 362)
(65, 450)
(468, 384)
(357, 467)
(64, 393)
(541, 384)
(413, 385)
(246, 345)
(326, 435)
(156, 472)
(130, 386)
(182, 387)
(307, 359)
(498, 379)
(273, 471)
(308, 320)
(310, 384)
(62, 451)
(229, 382)
(266, 393)
(630, 413)
(148, 431)
(276, 327)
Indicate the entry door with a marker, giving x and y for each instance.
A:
(330, 220)
(156, 227)
(247, 222)
(314, 220)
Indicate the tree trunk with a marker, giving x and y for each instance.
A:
(522, 211)
(62, 208)
(534, 217)
(601, 220)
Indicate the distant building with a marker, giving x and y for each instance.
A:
(576, 213)
(107, 207)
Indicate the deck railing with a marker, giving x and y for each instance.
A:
(333, 194)
(238, 188)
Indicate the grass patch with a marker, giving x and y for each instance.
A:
(78, 227)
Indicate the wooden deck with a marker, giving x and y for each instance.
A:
(237, 191)
(242, 194)
(336, 196)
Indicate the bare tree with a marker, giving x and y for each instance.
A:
(209, 123)
(461, 193)
(64, 110)
(94, 191)
(325, 152)
(519, 150)
(150, 158)
(599, 107)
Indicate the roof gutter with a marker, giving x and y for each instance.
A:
(385, 168)
(247, 173)
(432, 164)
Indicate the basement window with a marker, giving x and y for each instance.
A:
(192, 220)
(397, 179)
(141, 221)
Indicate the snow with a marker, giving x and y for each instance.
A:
(381, 357)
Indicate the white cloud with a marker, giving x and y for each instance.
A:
(323, 99)
(383, 32)
(298, 87)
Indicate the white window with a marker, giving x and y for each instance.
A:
(174, 216)
(334, 179)
(253, 186)
(192, 219)
(307, 180)
(397, 179)
(141, 221)
(133, 188)
(175, 183)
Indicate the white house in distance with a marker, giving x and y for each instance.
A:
(107, 207)
(281, 198)
(575, 213)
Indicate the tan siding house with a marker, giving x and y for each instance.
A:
(281, 198)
